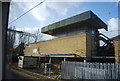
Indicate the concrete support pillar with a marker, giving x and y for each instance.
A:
(39, 62)
(45, 69)
(50, 60)
(50, 65)
(84, 61)
(64, 59)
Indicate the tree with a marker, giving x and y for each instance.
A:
(39, 36)
(20, 49)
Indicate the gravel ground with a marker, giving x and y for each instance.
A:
(33, 75)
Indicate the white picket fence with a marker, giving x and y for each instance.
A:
(93, 71)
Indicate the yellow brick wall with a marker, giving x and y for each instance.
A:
(75, 44)
(117, 51)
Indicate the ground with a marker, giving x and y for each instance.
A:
(22, 74)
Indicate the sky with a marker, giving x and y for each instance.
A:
(51, 12)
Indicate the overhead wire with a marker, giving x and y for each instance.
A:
(26, 12)
(40, 4)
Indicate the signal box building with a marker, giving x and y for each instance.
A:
(77, 40)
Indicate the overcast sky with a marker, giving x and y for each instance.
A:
(50, 12)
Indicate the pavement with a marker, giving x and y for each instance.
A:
(19, 74)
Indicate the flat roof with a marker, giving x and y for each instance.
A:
(87, 18)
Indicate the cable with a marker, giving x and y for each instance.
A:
(26, 12)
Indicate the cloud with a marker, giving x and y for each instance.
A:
(43, 12)
(112, 27)
(64, 0)
(13, 14)
(59, 7)
(34, 30)
(113, 24)
(29, 29)
(40, 12)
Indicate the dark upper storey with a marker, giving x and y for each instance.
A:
(86, 21)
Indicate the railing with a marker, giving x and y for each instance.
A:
(93, 71)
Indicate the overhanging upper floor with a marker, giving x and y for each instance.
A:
(82, 22)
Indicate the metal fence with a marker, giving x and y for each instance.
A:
(80, 70)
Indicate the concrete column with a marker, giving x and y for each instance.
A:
(64, 59)
(39, 62)
(84, 61)
(50, 67)
(45, 69)
(50, 60)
